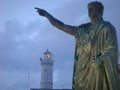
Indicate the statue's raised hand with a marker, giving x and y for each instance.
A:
(41, 11)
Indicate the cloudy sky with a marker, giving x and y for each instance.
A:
(25, 36)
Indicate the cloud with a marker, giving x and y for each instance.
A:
(69, 14)
(9, 80)
(17, 54)
(23, 45)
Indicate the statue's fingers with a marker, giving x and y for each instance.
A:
(37, 8)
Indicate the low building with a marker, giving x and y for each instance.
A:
(50, 89)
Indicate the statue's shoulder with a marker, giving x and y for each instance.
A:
(108, 25)
(84, 25)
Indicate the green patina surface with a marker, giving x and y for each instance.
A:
(96, 57)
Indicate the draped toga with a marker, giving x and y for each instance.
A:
(99, 42)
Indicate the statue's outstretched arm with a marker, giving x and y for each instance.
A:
(60, 25)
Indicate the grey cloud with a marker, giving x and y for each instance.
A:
(23, 55)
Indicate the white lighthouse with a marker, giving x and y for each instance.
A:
(46, 71)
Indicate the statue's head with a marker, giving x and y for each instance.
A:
(95, 9)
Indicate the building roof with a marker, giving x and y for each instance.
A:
(49, 89)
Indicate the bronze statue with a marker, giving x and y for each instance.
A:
(96, 52)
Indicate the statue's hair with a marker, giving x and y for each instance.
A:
(98, 5)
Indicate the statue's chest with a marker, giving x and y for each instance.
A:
(86, 35)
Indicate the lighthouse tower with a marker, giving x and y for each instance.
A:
(46, 71)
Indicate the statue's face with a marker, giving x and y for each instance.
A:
(93, 11)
